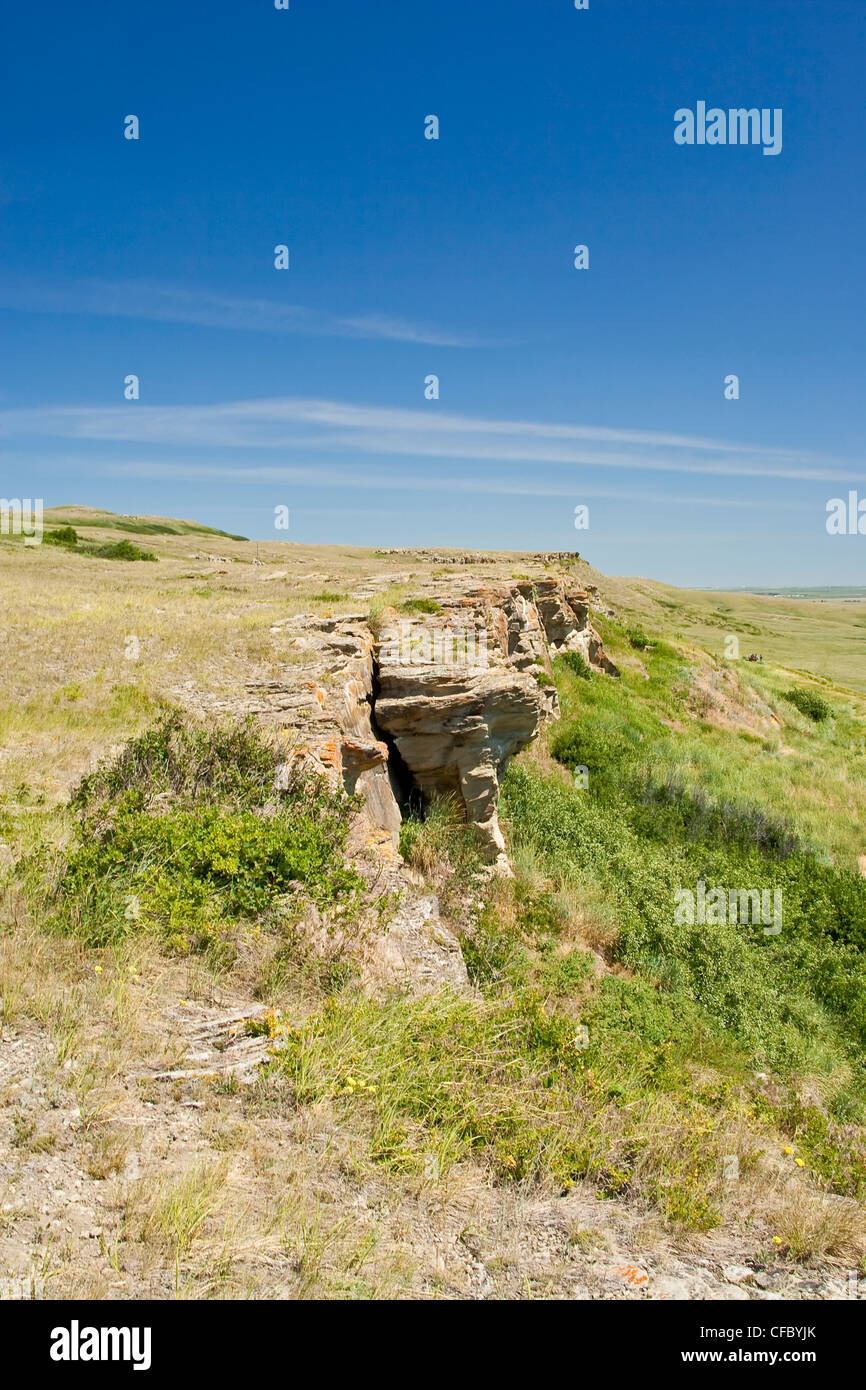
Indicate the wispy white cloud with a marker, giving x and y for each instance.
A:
(380, 480)
(294, 424)
(135, 299)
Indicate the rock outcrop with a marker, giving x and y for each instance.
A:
(418, 953)
(456, 732)
(435, 705)
(460, 691)
(327, 718)
(564, 617)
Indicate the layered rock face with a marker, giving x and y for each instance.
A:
(458, 692)
(437, 705)
(327, 717)
(564, 617)
(455, 734)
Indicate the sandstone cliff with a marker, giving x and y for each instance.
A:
(435, 704)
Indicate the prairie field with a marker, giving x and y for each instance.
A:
(617, 1089)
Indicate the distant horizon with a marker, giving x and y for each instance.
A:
(758, 589)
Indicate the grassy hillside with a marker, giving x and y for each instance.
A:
(690, 770)
(826, 639)
(138, 525)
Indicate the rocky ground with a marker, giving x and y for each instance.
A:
(220, 1165)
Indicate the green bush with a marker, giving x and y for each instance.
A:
(420, 605)
(64, 535)
(120, 550)
(202, 762)
(603, 745)
(669, 810)
(184, 834)
(574, 662)
(808, 702)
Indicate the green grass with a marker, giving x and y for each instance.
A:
(665, 810)
(819, 640)
(420, 605)
(513, 1086)
(763, 759)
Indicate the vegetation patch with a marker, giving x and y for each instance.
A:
(64, 535)
(808, 702)
(184, 835)
(645, 828)
(420, 605)
(574, 662)
(69, 539)
(520, 1088)
(118, 550)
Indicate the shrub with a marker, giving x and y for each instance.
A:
(603, 745)
(420, 605)
(574, 662)
(184, 834)
(120, 550)
(808, 702)
(199, 761)
(668, 810)
(64, 535)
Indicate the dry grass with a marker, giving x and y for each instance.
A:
(813, 1227)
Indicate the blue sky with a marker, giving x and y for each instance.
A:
(558, 387)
